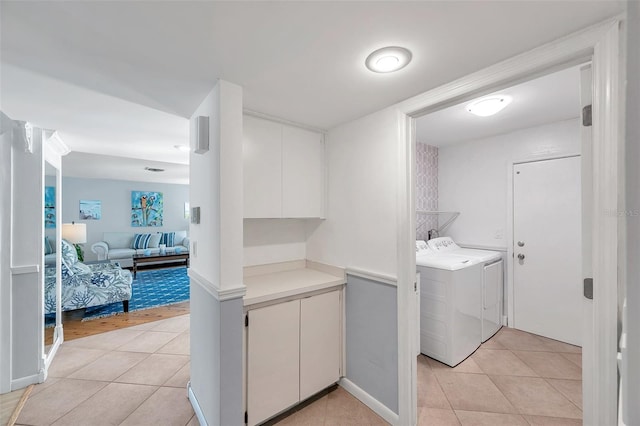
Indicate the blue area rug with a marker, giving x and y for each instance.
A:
(150, 289)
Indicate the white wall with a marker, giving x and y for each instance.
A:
(27, 236)
(360, 231)
(6, 137)
(216, 265)
(360, 228)
(116, 206)
(473, 177)
(274, 240)
(632, 323)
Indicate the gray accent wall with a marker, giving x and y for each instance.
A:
(372, 339)
(216, 356)
(115, 196)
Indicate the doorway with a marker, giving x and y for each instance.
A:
(600, 401)
(474, 171)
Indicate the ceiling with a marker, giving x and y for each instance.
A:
(551, 98)
(80, 164)
(119, 78)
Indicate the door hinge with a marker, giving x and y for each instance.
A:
(588, 288)
(415, 286)
(246, 320)
(246, 417)
(586, 116)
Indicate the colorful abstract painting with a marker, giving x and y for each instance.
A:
(147, 208)
(90, 210)
(49, 206)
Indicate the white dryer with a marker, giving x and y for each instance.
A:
(450, 305)
(492, 280)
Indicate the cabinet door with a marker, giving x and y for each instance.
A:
(319, 342)
(302, 173)
(273, 364)
(262, 162)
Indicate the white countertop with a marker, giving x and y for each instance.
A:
(276, 285)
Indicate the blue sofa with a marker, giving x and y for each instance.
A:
(84, 286)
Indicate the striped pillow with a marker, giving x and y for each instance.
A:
(47, 246)
(141, 241)
(168, 238)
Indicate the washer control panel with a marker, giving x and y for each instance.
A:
(442, 244)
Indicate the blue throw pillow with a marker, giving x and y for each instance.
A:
(141, 241)
(169, 239)
(47, 246)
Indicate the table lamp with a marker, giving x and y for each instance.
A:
(76, 234)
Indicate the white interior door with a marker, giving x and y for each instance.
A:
(548, 248)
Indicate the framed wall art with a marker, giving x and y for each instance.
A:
(90, 210)
(147, 208)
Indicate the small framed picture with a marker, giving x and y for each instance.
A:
(90, 210)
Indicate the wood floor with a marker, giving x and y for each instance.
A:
(9, 402)
(75, 328)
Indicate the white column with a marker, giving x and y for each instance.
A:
(26, 251)
(217, 323)
(6, 127)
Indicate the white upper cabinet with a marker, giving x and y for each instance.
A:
(302, 173)
(262, 158)
(283, 170)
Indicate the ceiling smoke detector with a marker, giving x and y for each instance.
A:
(388, 59)
(153, 169)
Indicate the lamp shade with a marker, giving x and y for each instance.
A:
(75, 233)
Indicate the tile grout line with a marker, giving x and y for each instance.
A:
(140, 405)
(561, 394)
(502, 393)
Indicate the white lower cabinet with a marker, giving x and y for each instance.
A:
(293, 352)
(319, 343)
(273, 361)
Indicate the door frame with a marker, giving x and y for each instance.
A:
(510, 275)
(600, 44)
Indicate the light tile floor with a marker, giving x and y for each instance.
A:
(515, 378)
(133, 376)
(138, 376)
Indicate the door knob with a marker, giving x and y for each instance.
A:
(521, 256)
(520, 243)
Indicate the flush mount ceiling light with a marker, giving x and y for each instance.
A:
(388, 59)
(488, 106)
(153, 169)
(182, 148)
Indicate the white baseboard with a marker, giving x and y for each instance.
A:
(378, 407)
(196, 406)
(23, 382)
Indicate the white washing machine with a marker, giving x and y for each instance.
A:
(492, 280)
(450, 305)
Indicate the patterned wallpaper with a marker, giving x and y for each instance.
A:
(426, 188)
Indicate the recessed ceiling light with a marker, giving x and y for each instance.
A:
(153, 169)
(388, 59)
(488, 106)
(182, 148)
